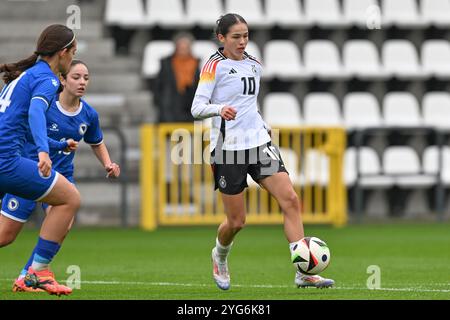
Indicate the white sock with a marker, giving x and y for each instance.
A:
(37, 266)
(222, 251)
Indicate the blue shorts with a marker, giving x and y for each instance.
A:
(19, 209)
(21, 177)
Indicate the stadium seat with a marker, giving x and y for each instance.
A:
(289, 14)
(430, 160)
(401, 109)
(167, 13)
(203, 49)
(253, 50)
(125, 13)
(324, 13)
(402, 13)
(357, 12)
(361, 110)
(316, 168)
(361, 59)
(436, 58)
(436, 12)
(203, 13)
(322, 60)
(250, 10)
(290, 160)
(403, 164)
(321, 109)
(282, 60)
(400, 59)
(369, 168)
(281, 109)
(436, 110)
(154, 51)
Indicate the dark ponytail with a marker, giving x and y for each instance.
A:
(54, 38)
(225, 22)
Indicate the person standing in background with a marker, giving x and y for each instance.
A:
(177, 82)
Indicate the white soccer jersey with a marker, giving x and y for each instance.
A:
(234, 83)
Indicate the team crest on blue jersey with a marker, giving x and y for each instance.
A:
(55, 83)
(82, 129)
(54, 127)
(13, 204)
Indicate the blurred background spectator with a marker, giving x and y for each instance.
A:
(177, 81)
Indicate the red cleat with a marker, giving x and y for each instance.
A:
(19, 286)
(45, 280)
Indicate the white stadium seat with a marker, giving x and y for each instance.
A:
(436, 58)
(282, 60)
(203, 13)
(316, 169)
(369, 168)
(325, 13)
(430, 160)
(361, 59)
(404, 164)
(361, 110)
(401, 109)
(402, 13)
(400, 59)
(281, 109)
(125, 13)
(250, 10)
(321, 109)
(286, 14)
(203, 49)
(358, 12)
(253, 50)
(436, 110)
(322, 59)
(290, 160)
(436, 12)
(167, 13)
(154, 51)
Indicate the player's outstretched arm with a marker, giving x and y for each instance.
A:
(102, 154)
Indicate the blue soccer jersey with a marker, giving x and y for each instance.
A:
(30, 94)
(37, 82)
(63, 125)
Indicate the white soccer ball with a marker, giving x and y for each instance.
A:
(310, 255)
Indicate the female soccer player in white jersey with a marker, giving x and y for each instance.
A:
(31, 87)
(68, 119)
(241, 144)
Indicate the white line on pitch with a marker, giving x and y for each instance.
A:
(176, 284)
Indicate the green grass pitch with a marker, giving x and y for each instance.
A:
(174, 263)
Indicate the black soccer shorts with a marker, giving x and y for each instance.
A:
(230, 168)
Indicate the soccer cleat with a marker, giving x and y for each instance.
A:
(45, 280)
(19, 286)
(303, 281)
(220, 272)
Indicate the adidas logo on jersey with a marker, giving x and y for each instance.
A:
(232, 71)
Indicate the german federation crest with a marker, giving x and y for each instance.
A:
(222, 182)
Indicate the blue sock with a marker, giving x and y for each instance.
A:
(44, 252)
(28, 264)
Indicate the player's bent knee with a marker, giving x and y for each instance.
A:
(291, 199)
(237, 224)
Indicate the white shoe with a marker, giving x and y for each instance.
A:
(220, 272)
(303, 281)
